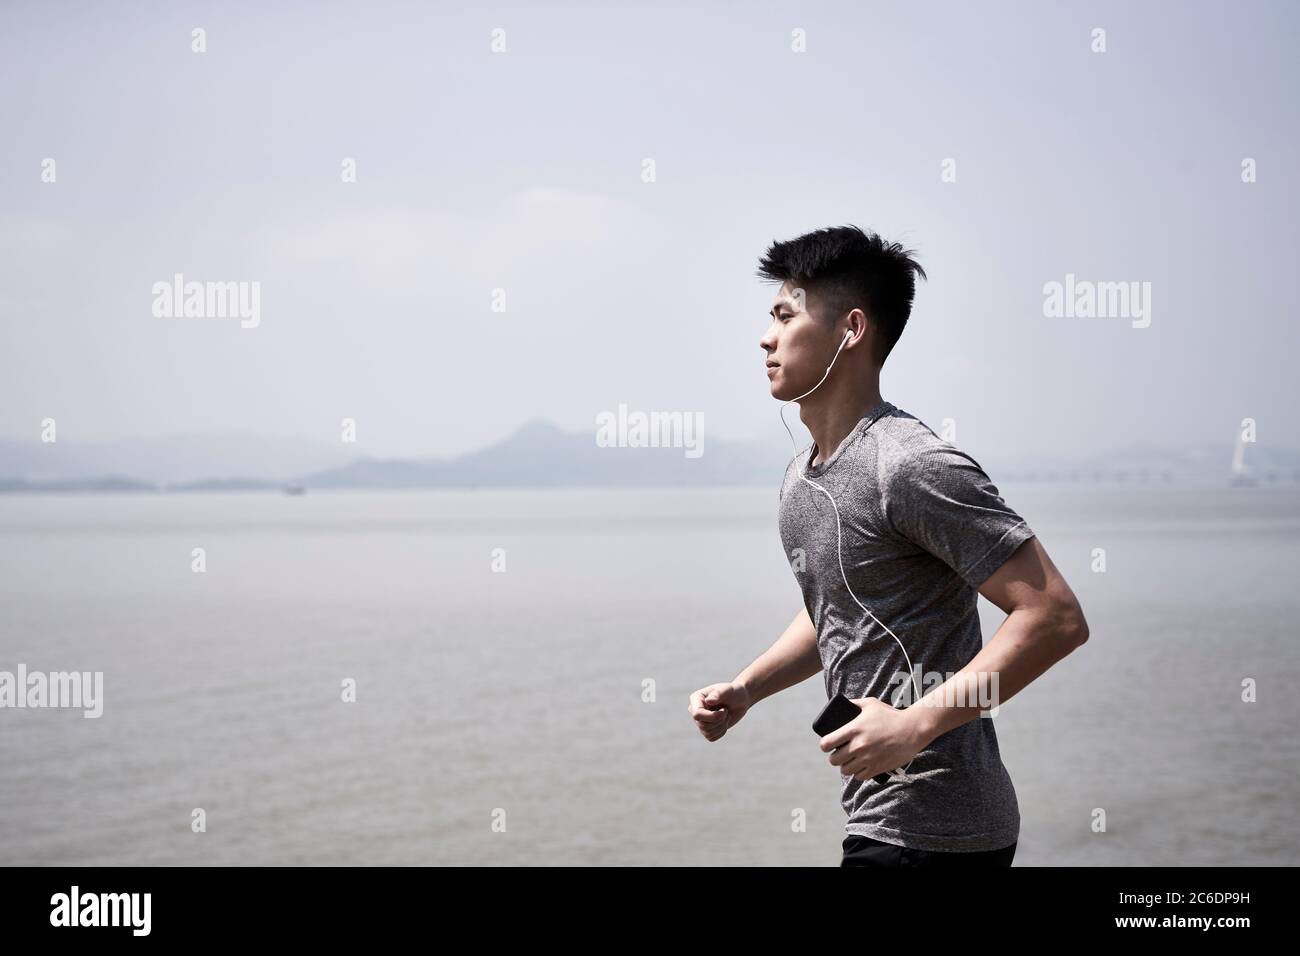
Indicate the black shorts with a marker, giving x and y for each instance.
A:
(864, 851)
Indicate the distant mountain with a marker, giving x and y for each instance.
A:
(1145, 464)
(172, 461)
(225, 484)
(106, 483)
(540, 455)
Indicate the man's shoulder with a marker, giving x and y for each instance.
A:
(904, 442)
(909, 454)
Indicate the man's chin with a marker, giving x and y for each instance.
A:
(780, 390)
(783, 394)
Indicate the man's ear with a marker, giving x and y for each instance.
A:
(872, 335)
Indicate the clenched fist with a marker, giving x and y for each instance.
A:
(718, 707)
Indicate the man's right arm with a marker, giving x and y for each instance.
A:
(793, 658)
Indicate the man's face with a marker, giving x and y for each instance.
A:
(798, 346)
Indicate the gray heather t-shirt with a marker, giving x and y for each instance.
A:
(923, 527)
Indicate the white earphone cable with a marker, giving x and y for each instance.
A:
(839, 541)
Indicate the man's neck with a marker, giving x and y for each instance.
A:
(835, 414)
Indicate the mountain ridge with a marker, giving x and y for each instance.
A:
(540, 454)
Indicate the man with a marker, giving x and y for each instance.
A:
(916, 529)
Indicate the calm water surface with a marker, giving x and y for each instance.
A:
(482, 692)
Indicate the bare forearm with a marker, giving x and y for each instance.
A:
(793, 658)
(1028, 643)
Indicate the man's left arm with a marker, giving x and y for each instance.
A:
(942, 501)
(1044, 623)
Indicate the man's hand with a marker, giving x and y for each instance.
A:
(718, 707)
(879, 740)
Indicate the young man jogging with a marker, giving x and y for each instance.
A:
(916, 530)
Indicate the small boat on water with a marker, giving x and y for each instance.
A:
(1241, 474)
(294, 490)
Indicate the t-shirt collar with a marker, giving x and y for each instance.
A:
(866, 421)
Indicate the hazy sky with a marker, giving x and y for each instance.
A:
(522, 171)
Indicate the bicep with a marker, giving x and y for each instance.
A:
(1030, 580)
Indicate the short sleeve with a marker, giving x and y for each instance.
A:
(942, 501)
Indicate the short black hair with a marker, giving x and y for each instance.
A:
(845, 269)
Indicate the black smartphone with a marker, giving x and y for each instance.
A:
(839, 710)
